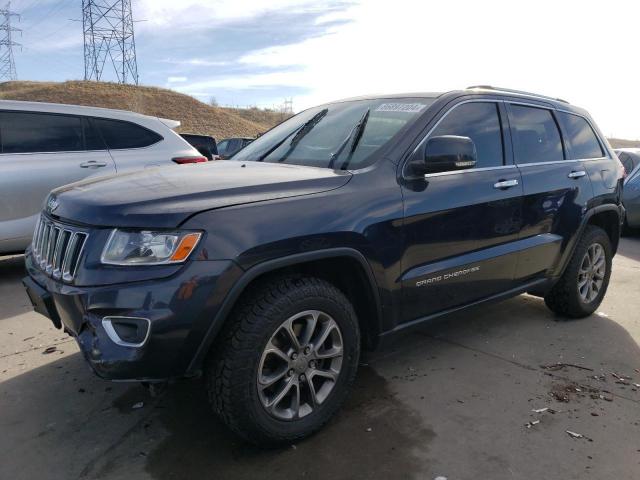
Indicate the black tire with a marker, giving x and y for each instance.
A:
(232, 368)
(564, 298)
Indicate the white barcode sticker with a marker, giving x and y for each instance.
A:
(401, 107)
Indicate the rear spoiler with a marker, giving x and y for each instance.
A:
(172, 124)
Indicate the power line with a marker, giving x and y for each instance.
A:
(108, 38)
(7, 63)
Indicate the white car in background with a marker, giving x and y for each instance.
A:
(44, 146)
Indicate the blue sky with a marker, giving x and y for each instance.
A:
(259, 52)
(190, 46)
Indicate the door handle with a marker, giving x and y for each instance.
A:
(504, 184)
(577, 174)
(92, 164)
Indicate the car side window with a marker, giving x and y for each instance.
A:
(119, 134)
(536, 137)
(480, 121)
(222, 147)
(26, 132)
(92, 138)
(580, 136)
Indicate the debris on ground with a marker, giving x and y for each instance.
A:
(621, 379)
(368, 429)
(532, 423)
(565, 392)
(559, 366)
(49, 350)
(578, 435)
(28, 338)
(137, 406)
(540, 410)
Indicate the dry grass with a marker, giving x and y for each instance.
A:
(620, 143)
(196, 117)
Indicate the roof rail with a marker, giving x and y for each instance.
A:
(510, 90)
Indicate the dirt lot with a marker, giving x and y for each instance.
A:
(452, 400)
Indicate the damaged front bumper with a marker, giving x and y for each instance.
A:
(138, 331)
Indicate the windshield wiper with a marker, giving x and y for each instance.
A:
(299, 135)
(354, 136)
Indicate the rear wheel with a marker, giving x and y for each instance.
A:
(285, 361)
(584, 283)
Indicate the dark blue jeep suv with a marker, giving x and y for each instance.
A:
(347, 223)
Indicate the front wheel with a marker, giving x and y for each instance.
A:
(286, 360)
(584, 283)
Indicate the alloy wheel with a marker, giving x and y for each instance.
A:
(300, 365)
(591, 273)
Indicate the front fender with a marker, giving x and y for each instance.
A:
(271, 266)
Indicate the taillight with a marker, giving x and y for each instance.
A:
(183, 160)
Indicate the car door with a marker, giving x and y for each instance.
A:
(556, 188)
(40, 152)
(459, 226)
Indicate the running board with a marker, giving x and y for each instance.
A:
(494, 298)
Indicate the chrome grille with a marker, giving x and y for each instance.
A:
(57, 248)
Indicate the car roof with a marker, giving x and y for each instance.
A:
(475, 90)
(80, 110)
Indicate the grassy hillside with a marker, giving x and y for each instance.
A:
(196, 117)
(620, 143)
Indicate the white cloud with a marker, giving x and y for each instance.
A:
(177, 79)
(574, 49)
(207, 13)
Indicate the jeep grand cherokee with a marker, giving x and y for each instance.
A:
(343, 225)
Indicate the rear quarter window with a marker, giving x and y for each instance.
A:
(119, 134)
(581, 138)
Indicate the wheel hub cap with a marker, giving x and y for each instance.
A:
(591, 273)
(300, 365)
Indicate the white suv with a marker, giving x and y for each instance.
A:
(44, 146)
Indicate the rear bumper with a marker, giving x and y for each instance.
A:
(177, 311)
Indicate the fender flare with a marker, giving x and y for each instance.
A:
(610, 207)
(269, 266)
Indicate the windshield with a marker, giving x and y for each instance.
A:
(340, 136)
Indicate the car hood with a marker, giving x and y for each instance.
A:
(165, 197)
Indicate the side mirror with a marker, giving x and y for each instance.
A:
(449, 152)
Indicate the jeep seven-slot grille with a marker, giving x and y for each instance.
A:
(57, 248)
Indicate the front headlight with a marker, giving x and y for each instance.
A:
(144, 247)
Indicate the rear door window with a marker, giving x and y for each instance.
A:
(26, 132)
(119, 134)
(535, 134)
(480, 121)
(580, 136)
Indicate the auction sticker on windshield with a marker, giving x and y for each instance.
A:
(400, 107)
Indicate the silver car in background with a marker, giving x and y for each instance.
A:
(44, 146)
(630, 159)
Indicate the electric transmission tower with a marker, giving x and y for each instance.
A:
(7, 64)
(109, 40)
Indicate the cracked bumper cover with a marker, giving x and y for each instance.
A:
(180, 309)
